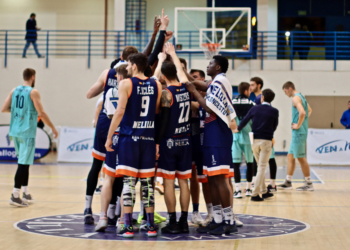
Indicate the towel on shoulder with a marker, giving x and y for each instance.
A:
(219, 98)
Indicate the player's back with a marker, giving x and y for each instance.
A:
(179, 124)
(140, 111)
(23, 113)
(295, 116)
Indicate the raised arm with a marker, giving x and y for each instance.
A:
(200, 99)
(97, 88)
(6, 107)
(298, 104)
(147, 51)
(161, 59)
(170, 50)
(35, 96)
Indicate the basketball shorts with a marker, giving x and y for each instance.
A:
(25, 150)
(175, 158)
(111, 161)
(298, 145)
(272, 153)
(231, 173)
(99, 150)
(238, 150)
(137, 156)
(198, 164)
(216, 160)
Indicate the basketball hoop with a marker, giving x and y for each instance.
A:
(211, 49)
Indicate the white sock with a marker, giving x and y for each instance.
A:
(289, 177)
(118, 208)
(159, 180)
(249, 185)
(88, 201)
(141, 208)
(238, 187)
(273, 183)
(210, 208)
(103, 215)
(111, 211)
(16, 192)
(217, 214)
(25, 190)
(308, 180)
(228, 215)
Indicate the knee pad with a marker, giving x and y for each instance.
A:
(129, 192)
(147, 192)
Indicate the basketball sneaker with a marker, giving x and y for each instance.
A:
(224, 228)
(139, 218)
(267, 195)
(158, 218)
(120, 223)
(171, 229)
(306, 187)
(177, 187)
(248, 192)
(27, 198)
(286, 185)
(159, 187)
(184, 226)
(237, 221)
(112, 222)
(196, 218)
(272, 189)
(17, 202)
(207, 220)
(88, 218)
(256, 198)
(237, 194)
(210, 227)
(98, 190)
(151, 230)
(101, 225)
(126, 232)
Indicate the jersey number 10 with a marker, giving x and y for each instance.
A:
(19, 101)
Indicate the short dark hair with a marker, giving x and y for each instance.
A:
(169, 70)
(201, 72)
(129, 50)
(242, 87)
(258, 81)
(140, 60)
(28, 73)
(269, 95)
(115, 62)
(184, 62)
(288, 85)
(33, 14)
(222, 61)
(121, 70)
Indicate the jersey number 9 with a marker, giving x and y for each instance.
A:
(144, 106)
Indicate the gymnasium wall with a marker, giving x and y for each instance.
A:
(64, 84)
(61, 15)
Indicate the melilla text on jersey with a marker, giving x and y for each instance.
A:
(143, 124)
(182, 129)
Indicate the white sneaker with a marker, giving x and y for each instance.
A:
(207, 220)
(248, 193)
(306, 187)
(238, 222)
(102, 225)
(196, 218)
(237, 194)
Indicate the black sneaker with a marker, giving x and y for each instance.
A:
(224, 229)
(271, 189)
(267, 195)
(184, 226)
(177, 187)
(256, 198)
(210, 227)
(98, 190)
(113, 222)
(88, 218)
(126, 232)
(171, 229)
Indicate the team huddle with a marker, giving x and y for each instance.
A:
(158, 120)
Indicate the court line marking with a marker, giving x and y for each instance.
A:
(313, 171)
(305, 229)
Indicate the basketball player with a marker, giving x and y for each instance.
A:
(241, 141)
(25, 106)
(139, 101)
(217, 144)
(256, 85)
(106, 81)
(113, 184)
(174, 141)
(301, 112)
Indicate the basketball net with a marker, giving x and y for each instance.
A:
(211, 49)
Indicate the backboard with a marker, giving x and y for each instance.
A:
(195, 26)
